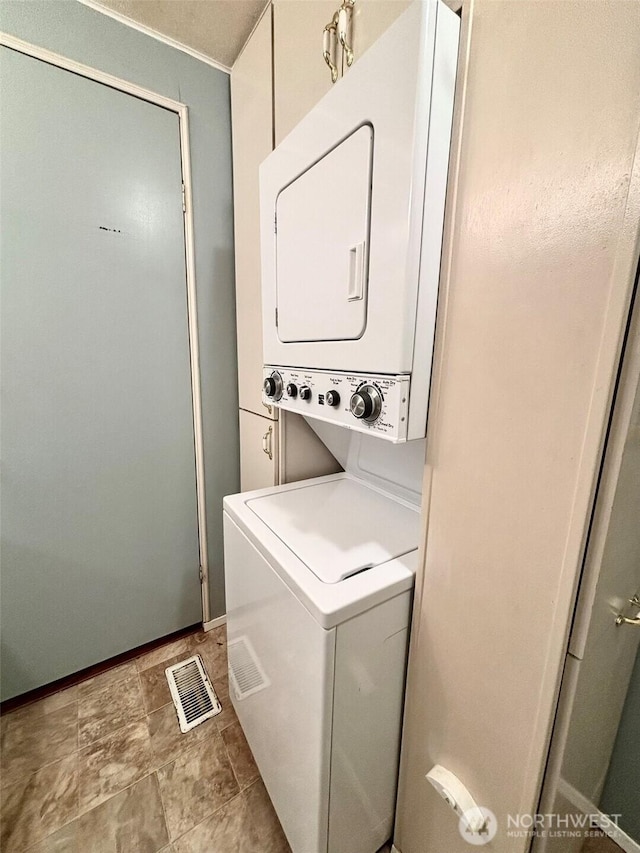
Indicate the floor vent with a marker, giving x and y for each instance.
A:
(192, 693)
(247, 676)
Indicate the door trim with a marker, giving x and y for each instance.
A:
(182, 112)
(611, 347)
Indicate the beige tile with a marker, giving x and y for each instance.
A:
(212, 648)
(130, 822)
(242, 760)
(221, 685)
(195, 784)
(598, 842)
(199, 637)
(42, 707)
(167, 741)
(180, 647)
(58, 700)
(226, 717)
(109, 709)
(113, 763)
(247, 824)
(155, 687)
(30, 743)
(39, 804)
(106, 679)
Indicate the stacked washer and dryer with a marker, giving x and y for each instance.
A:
(319, 573)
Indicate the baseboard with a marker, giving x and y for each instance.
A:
(581, 803)
(8, 705)
(215, 623)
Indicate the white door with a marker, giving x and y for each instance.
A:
(99, 526)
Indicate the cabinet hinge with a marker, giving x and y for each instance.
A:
(276, 318)
(184, 199)
(201, 573)
(275, 224)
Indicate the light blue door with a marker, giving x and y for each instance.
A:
(99, 526)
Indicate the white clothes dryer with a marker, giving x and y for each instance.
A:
(352, 216)
(319, 580)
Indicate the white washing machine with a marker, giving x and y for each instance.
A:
(319, 579)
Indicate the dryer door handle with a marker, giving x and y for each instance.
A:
(356, 271)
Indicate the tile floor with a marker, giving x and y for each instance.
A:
(599, 843)
(103, 767)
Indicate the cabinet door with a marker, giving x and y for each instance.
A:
(369, 19)
(258, 452)
(251, 107)
(300, 72)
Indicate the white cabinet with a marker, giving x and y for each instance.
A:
(258, 452)
(252, 133)
(252, 129)
(301, 74)
(270, 452)
(282, 451)
(370, 18)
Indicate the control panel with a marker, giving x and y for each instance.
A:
(373, 403)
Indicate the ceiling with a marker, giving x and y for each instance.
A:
(217, 29)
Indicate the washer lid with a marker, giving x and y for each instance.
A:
(341, 527)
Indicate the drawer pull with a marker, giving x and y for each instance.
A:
(329, 44)
(267, 442)
(344, 18)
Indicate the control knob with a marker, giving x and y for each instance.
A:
(272, 386)
(333, 398)
(305, 392)
(292, 390)
(366, 404)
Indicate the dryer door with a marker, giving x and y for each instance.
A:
(322, 245)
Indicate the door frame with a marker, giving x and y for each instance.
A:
(554, 785)
(182, 112)
(620, 385)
